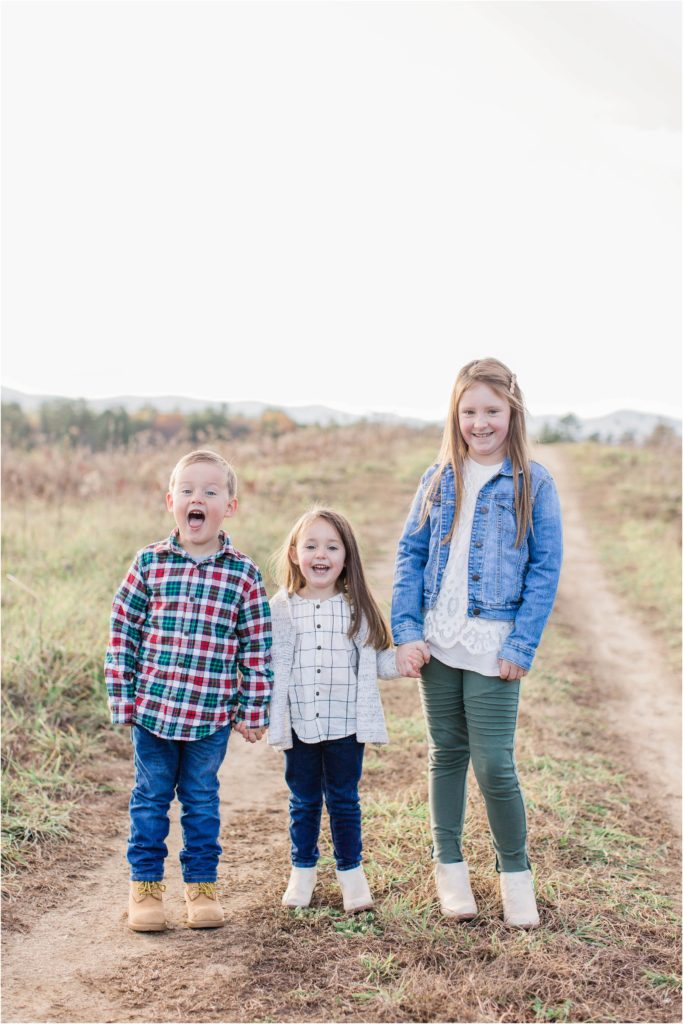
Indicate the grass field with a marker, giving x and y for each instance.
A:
(633, 495)
(606, 864)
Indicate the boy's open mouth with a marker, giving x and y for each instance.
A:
(195, 517)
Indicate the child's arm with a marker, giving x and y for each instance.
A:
(128, 615)
(388, 663)
(254, 634)
(407, 622)
(540, 584)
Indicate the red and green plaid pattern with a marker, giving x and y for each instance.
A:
(189, 643)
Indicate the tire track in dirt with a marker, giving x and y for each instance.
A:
(640, 695)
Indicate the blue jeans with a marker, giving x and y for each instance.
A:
(328, 771)
(164, 769)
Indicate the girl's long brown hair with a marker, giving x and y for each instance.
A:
(351, 581)
(453, 449)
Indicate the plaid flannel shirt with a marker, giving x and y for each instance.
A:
(189, 648)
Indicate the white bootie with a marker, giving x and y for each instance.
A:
(519, 902)
(355, 890)
(454, 891)
(300, 887)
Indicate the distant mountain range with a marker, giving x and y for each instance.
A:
(612, 427)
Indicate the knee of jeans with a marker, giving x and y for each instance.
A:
(154, 788)
(199, 794)
(306, 802)
(337, 800)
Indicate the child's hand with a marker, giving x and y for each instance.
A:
(250, 735)
(411, 657)
(510, 671)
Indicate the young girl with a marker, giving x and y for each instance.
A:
(330, 642)
(476, 576)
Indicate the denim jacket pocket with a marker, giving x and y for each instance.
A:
(511, 562)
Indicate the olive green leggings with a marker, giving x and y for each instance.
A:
(473, 716)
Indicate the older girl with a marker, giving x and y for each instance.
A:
(476, 575)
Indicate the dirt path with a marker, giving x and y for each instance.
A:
(79, 962)
(642, 697)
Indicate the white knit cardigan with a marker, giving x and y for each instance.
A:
(370, 726)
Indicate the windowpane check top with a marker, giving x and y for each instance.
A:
(189, 647)
(323, 686)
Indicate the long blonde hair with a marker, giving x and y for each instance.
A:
(453, 449)
(351, 581)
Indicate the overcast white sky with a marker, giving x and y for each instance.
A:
(343, 202)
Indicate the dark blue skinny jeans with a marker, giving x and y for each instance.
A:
(328, 771)
(187, 769)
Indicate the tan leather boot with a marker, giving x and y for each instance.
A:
(203, 908)
(146, 907)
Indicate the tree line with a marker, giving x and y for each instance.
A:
(72, 422)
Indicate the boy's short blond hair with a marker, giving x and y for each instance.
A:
(205, 455)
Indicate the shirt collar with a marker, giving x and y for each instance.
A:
(172, 544)
(505, 469)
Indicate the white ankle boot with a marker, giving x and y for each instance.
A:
(300, 887)
(355, 890)
(454, 891)
(519, 902)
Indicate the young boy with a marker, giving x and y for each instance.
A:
(188, 657)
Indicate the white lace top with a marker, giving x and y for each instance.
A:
(453, 638)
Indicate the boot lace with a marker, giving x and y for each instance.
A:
(207, 888)
(151, 889)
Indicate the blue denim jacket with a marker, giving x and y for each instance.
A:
(505, 582)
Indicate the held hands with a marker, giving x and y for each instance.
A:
(510, 671)
(250, 735)
(411, 657)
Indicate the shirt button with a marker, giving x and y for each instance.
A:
(318, 670)
(317, 693)
(476, 611)
(319, 648)
(478, 544)
(317, 714)
(318, 626)
(317, 606)
(476, 576)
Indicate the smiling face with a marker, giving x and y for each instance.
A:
(484, 420)
(320, 555)
(199, 502)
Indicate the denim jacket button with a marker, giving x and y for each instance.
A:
(478, 544)
(476, 611)
(476, 576)
(484, 508)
